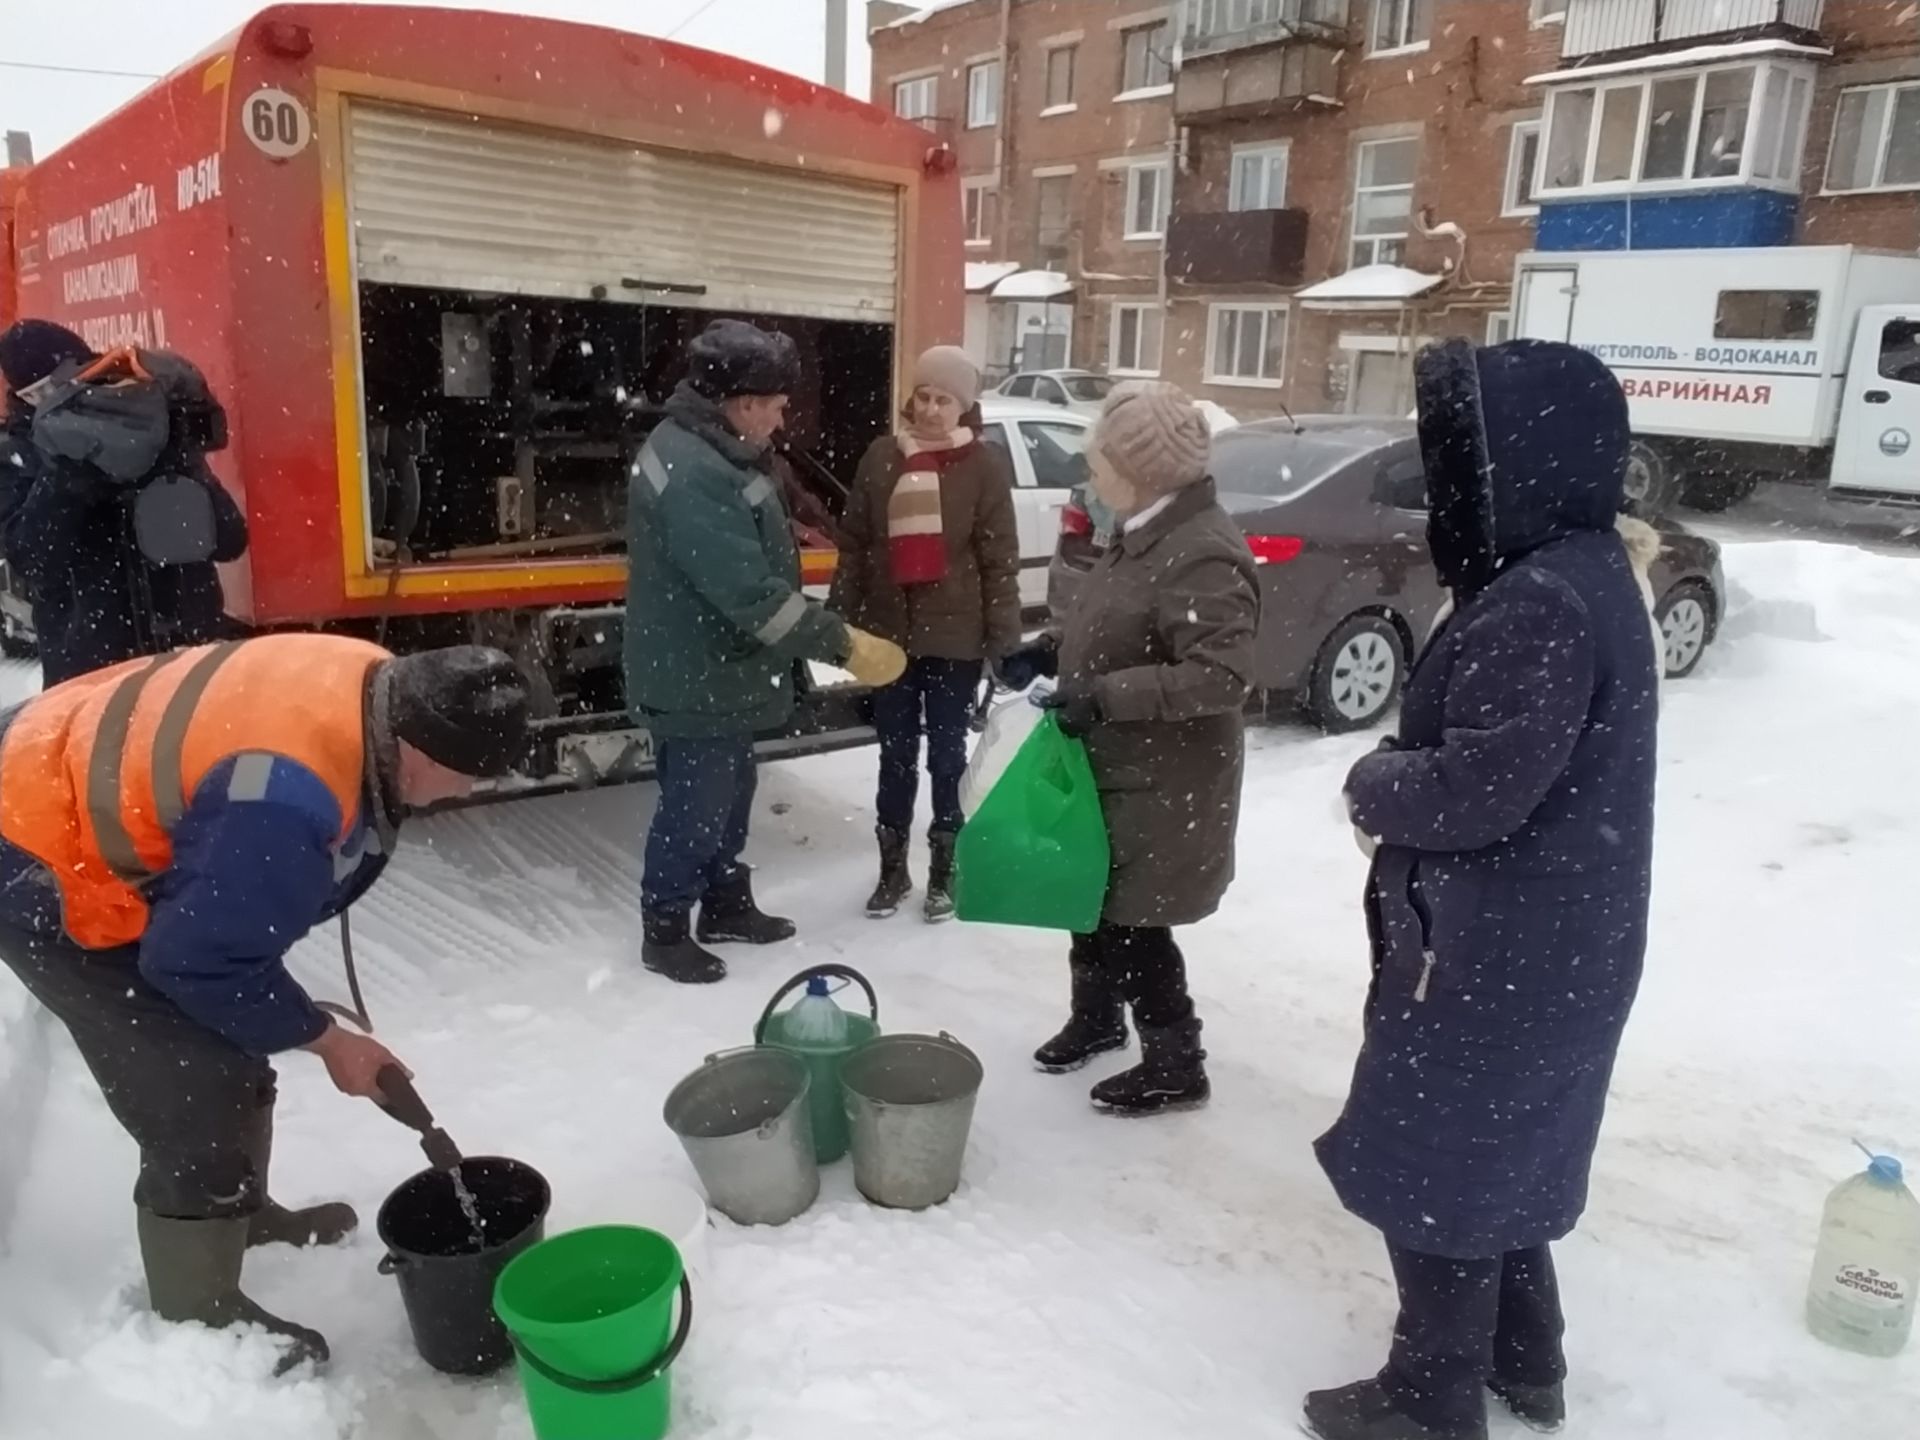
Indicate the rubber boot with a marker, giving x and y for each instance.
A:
(939, 906)
(1171, 1075)
(729, 916)
(1098, 1022)
(896, 881)
(274, 1223)
(1538, 1407)
(671, 950)
(193, 1274)
(1366, 1412)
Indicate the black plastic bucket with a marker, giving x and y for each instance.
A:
(446, 1280)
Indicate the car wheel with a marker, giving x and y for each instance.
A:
(1357, 675)
(1652, 480)
(1719, 491)
(1686, 623)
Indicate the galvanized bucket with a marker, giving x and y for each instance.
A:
(743, 1120)
(910, 1107)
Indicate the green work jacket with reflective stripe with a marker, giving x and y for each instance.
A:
(716, 620)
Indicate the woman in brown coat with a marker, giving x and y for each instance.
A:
(1155, 661)
(930, 559)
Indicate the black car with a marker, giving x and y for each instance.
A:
(1334, 508)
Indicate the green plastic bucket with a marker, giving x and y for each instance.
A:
(590, 1313)
(830, 1135)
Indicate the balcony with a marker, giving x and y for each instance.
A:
(1618, 29)
(1249, 80)
(1241, 247)
(1217, 26)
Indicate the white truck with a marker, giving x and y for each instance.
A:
(1796, 362)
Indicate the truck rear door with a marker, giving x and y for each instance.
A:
(1876, 451)
(1544, 307)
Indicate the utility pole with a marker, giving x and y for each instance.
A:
(836, 71)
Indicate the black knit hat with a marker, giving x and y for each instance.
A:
(731, 357)
(31, 350)
(464, 707)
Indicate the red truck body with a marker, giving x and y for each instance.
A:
(216, 215)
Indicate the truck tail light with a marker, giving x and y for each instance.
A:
(1275, 549)
(1075, 522)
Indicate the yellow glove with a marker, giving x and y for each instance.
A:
(874, 661)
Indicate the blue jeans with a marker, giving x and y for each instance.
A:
(700, 827)
(937, 697)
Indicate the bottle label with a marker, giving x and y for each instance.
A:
(1866, 1284)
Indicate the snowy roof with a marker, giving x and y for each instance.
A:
(925, 13)
(1033, 285)
(1370, 285)
(1679, 59)
(985, 274)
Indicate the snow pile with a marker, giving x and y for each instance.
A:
(1184, 1277)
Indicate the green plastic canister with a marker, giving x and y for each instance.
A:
(830, 1138)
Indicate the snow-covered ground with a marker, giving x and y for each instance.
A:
(1183, 1277)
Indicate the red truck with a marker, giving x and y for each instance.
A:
(441, 267)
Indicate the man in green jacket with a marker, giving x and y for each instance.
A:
(716, 623)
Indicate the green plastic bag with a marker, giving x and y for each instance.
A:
(1035, 853)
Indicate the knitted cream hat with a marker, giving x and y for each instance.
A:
(949, 368)
(1154, 437)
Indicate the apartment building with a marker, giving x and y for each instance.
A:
(1060, 113)
(1350, 179)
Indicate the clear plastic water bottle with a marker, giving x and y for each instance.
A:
(1867, 1267)
(815, 1020)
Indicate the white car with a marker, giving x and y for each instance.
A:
(1082, 392)
(1047, 446)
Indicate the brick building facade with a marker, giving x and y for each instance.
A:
(1351, 178)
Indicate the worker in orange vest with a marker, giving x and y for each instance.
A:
(169, 827)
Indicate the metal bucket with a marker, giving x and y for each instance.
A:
(743, 1120)
(910, 1106)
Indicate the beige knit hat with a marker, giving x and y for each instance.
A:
(1154, 436)
(949, 368)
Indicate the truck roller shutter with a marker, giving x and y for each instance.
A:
(450, 202)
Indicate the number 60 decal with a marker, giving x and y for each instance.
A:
(276, 123)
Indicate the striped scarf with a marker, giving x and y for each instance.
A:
(916, 536)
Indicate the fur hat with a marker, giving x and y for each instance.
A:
(731, 357)
(949, 368)
(1154, 437)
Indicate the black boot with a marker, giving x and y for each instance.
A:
(671, 950)
(1171, 1075)
(1098, 1022)
(1538, 1407)
(1366, 1412)
(896, 882)
(728, 916)
(193, 1273)
(939, 905)
(274, 1224)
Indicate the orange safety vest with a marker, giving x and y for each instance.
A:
(95, 773)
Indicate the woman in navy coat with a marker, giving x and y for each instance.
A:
(1507, 904)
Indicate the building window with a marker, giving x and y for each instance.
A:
(1246, 344)
(1383, 200)
(1742, 124)
(1400, 25)
(1766, 315)
(1061, 63)
(1876, 139)
(917, 99)
(1259, 178)
(981, 197)
(1134, 348)
(1147, 195)
(1147, 59)
(983, 95)
(1523, 166)
(1549, 12)
(1053, 205)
